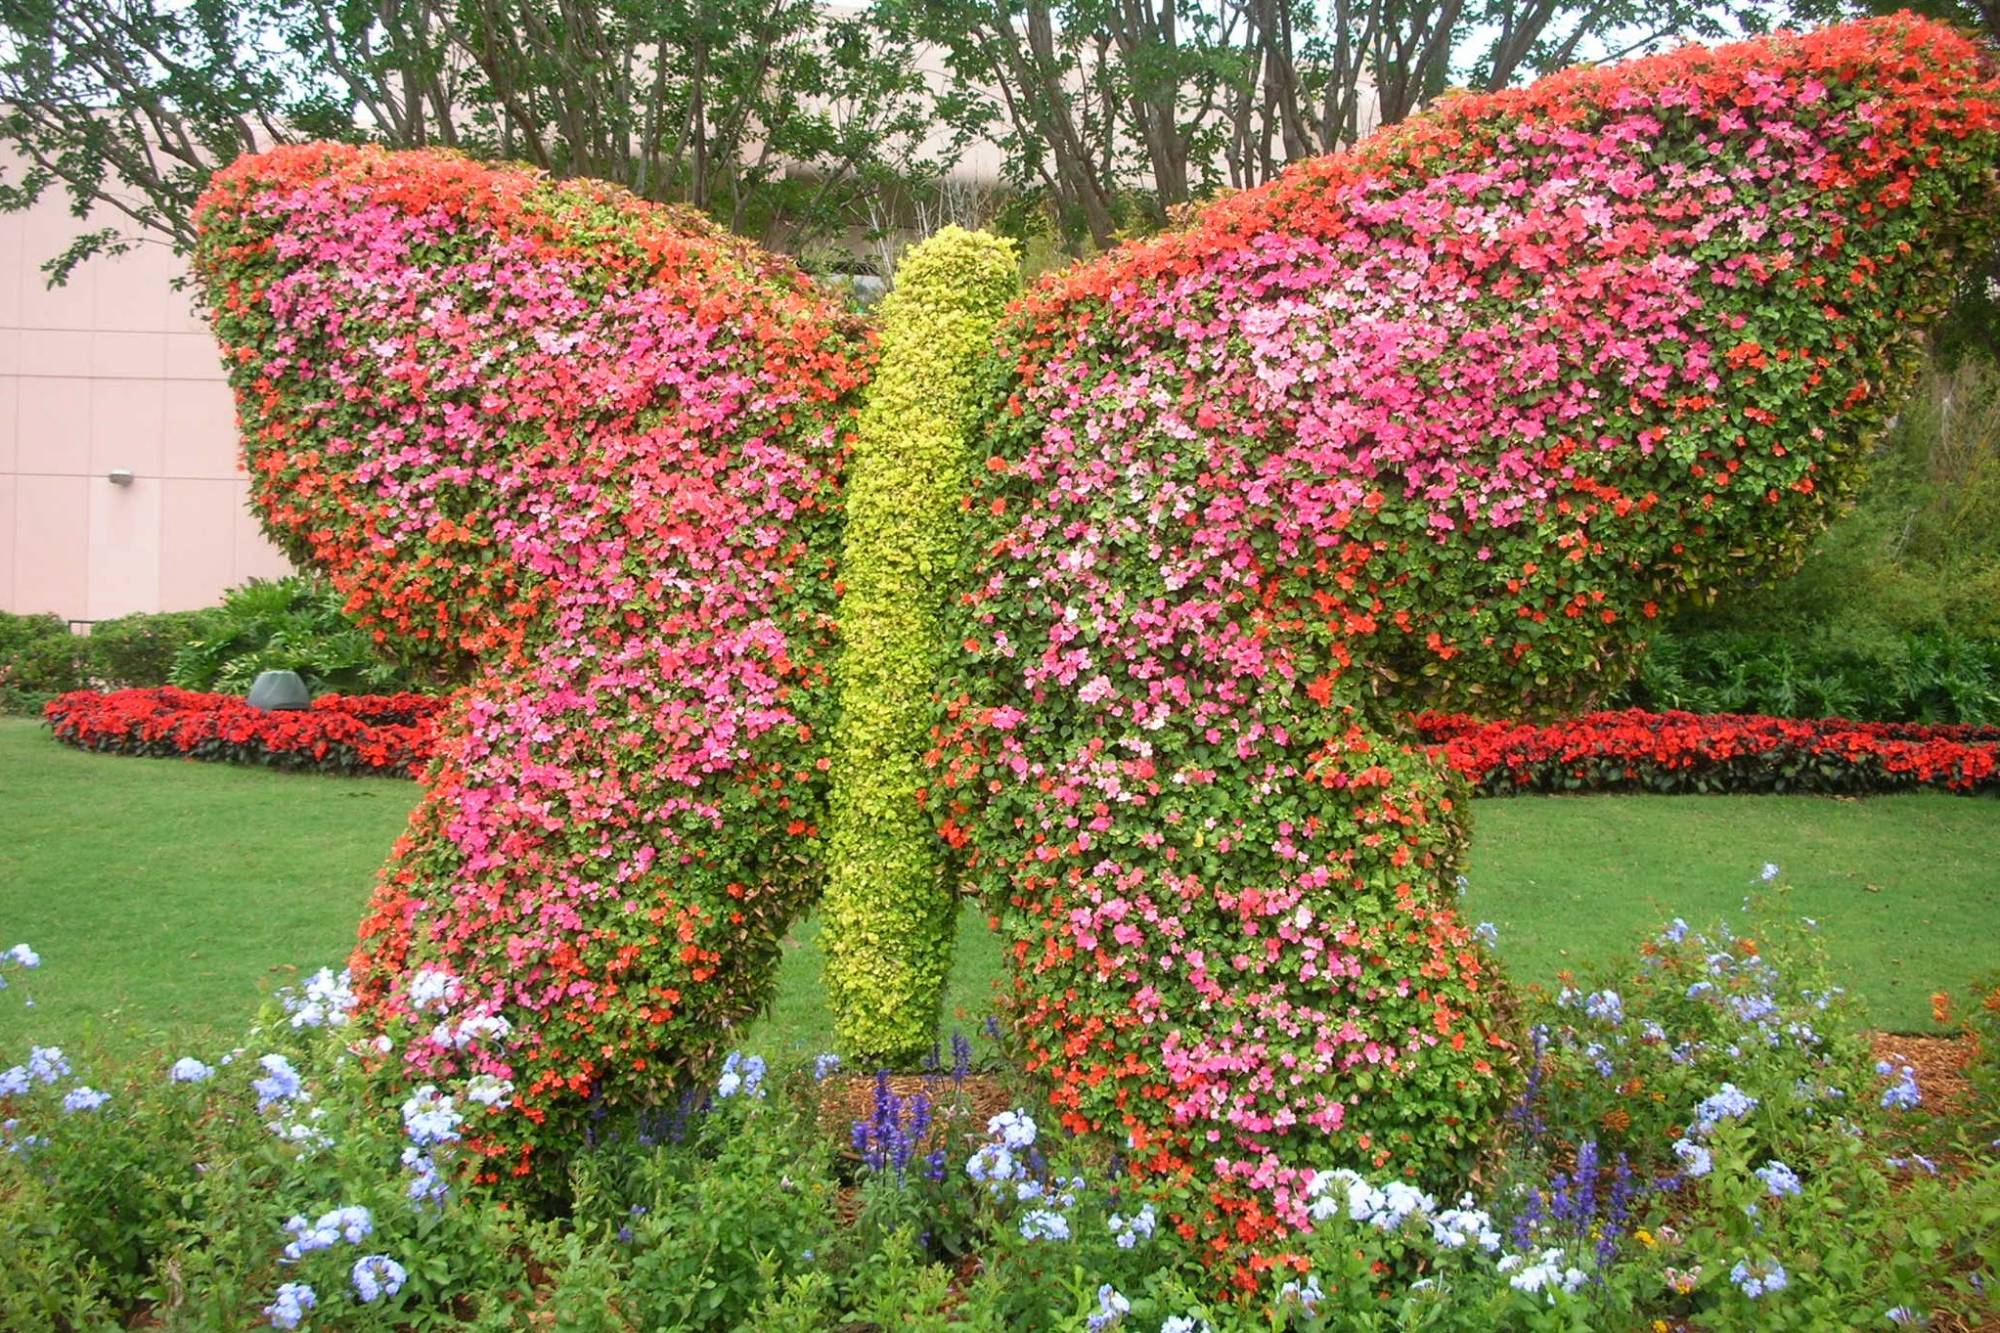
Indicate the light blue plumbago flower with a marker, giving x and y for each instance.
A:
(1904, 1317)
(46, 1063)
(1181, 1323)
(1111, 1309)
(1309, 1295)
(375, 1276)
(825, 1065)
(1488, 934)
(187, 1069)
(1779, 1179)
(489, 1090)
(1044, 1224)
(1675, 932)
(1014, 1129)
(1770, 872)
(83, 1098)
(15, 1081)
(994, 1165)
(1605, 1006)
(1729, 1102)
(430, 1117)
(1696, 1160)
(1129, 1231)
(289, 1309)
(741, 1074)
(280, 1083)
(1902, 1095)
(25, 956)
(427, 1184)
(327, 1000)
(1758, 1279)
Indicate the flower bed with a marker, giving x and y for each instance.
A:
(1723, 752)
(362, 733)
(1625, 750)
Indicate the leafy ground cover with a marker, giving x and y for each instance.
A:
(174, 892)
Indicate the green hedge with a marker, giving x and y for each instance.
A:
(888, 907)
(1915, 677)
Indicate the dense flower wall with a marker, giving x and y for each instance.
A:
(389, 734)
(1439, 422)
(890, 915)
(586, 450)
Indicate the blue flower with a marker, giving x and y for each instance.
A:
(1129, 1231)
(14, 1081)
(1758, 1279)
(1605, 1006)
(1903, 1094)
(1770, 872)
(47, 1063)
(1111, 1309)
(824, 1066)
(429, 1117)
(375, 1276)
(427, 1185)
(1779, 1179)
(1488, 934)
(187, 1069)
(1181, 1323)
(1044, 1224)
(1729, 1102)
(25, 956)
(742, 1074)
(294, 1299)
(1014, 1129)
(280, 1082)
(1696, 1159)
(81, 1098)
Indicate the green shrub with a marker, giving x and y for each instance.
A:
(290, 624)
(138, 651)
(1919, 550)
(1910, 677)
(34, 649)
(889, 910)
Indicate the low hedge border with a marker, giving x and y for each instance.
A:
(391, 734)
(1625, 750)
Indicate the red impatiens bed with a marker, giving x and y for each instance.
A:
(1629, 750)
(1688, 752)
(388, 734)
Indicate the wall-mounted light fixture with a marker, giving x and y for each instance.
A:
(119, 476)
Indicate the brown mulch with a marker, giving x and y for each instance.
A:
(1940, 1064)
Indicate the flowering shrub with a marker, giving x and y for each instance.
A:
(1685, 752)
(1764, 1179)
(390, 733)
(588, 449)
(889, 912)
(1439, 422)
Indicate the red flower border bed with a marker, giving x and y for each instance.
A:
(1629, 750)
(391, 734)
(1717, 752)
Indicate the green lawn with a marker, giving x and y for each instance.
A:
(169, 895)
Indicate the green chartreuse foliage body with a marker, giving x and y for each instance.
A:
(889, 906)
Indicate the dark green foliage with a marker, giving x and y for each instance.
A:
(1912, 677)
(290, 624)
(138, 651)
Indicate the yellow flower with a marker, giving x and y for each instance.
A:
(1645, 1238)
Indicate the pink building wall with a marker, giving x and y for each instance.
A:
(114, 370)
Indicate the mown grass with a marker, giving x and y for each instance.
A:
(166, 896)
